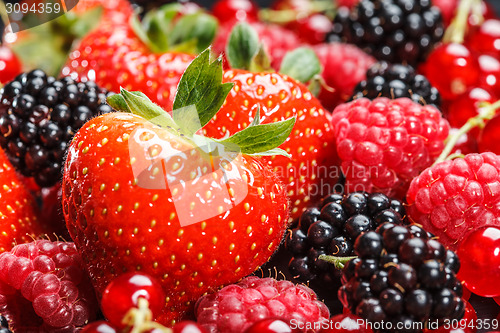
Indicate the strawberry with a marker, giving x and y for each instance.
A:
(308, 174)
(149, 56)
(185, 209)
(19, 220)
(116, 11)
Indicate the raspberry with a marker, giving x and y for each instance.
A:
(384, 143)
(344, 66)
(236, 307)
(44, 289)
(452, 198)
(402, 275)
(276, 40)
(395, 81)
(332, 228)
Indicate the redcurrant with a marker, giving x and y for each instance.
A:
(467, 106)
(10, 66)
(490, 73)
(188, 327)
(452, 69)
(466, 144)
(99, 327)
(343, 323)
(497, 299)
(269, 325)
(490, 136)
(124, 293)
(486, 40)
(313, 29)
(239, 10)
(479, 255)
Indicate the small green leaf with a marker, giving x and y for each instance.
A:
(301, 64)
(262, 138)
(242, 46)
(273, 152)
(200, 27)
(256, 120)
(140, 105)
(200, 86)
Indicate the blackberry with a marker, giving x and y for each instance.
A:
(39, 116)
(332, 228)
(404, 275)
(4, 325)
(395, 81)
(397, 31)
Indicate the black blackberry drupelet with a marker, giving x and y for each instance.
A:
(39, 116)
(4, 325)
(395, 81)
(332, 228)
(397, 31)
(402, 274)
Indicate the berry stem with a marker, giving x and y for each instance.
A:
(455, 33)
(338, 262)
(487, 112)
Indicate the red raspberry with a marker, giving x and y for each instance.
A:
(344, 66)
(276, 40)
(236, 307)
(43, 288)
(384, 143)
(454, 197)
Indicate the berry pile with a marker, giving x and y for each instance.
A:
(395, 81)
(397, 31)
(332, 229)
(39, 116)
(402, 275)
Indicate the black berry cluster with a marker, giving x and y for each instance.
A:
(402, 275)
(38, 117)
(395, 81)
(397, 31)
(4, 325)
(332, 228)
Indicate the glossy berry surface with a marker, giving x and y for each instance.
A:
(490, 136)
(237, 307)
(39, 116)
(390, 30)
(269, 326)
(43, 288)
(99, 327)
(239, 10)
(479, 255)
(345, 323)
(332, 229)
(468, 324)
(490, 73)
(124, 292)
(395, 81)
(486, 40)
(452, 69)
(10, 65)
(467, 105)
(188, 326)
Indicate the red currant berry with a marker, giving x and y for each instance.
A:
(269, 325)
(490, 136)
(239, 10)
(479, 255)
(99, 327)
(486, 40)
(124, 293)
(10, 66)
(467, 106)
(465, 293)
(452, 68)
(313, 29)
(497, 300)
(188, 327)
(344, 323)
(466, 144)
(490, 73)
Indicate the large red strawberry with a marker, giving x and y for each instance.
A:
(148, 56)
(19, 216)
(148, 194)
(311, 172)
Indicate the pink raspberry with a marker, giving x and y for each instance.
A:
(383, 144)
(344, 66)
(236, 307)
(454, 197)
(44, 289)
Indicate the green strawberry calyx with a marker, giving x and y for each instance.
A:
(166, 29)
(200, 95)
(245, 51)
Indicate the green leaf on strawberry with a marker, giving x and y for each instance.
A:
(302, 64)
(242, 46)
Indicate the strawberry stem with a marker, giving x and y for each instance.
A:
(486, 113)
(338, 262)
(455, 33)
